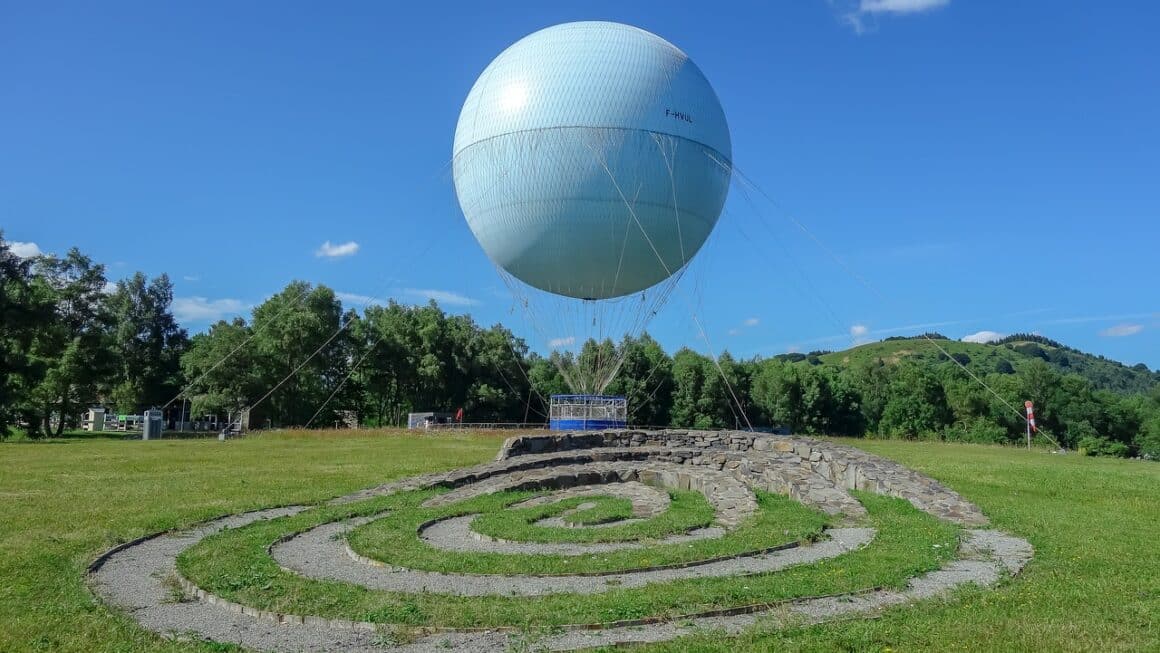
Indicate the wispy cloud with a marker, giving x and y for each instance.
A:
(24, 250)
(442, 296)
(354, 298)
(556, 343)
(748, 323)
(1121, 330)
(861, 334)
(200, 309)
(191, 277)
(900, 6)
(858, 16)
(858, 333)
(984, 337)
(329, 250)
(1103, 318)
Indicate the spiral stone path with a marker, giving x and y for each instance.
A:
(141, 578)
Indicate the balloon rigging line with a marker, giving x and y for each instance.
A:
(303, 363)
(345, 379)
(306, 289)
(531, 386)
(672, 189)
(745, 179)
(366, 301)
(253, 334)
(810, 289)
(696, 320)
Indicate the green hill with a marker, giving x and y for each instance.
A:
(1006, 356)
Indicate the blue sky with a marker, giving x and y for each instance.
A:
(944, 165)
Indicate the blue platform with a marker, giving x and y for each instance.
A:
(588, 412)
(585, 424)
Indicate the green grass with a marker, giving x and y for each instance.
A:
(62, 502)
(1094, 583)
(688, 510)
(393, 540)
(235, 565)
(604, 510)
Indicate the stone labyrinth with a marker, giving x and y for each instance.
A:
(567, 542)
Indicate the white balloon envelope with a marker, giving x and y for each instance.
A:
(592, 160)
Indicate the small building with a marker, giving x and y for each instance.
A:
(94, 420)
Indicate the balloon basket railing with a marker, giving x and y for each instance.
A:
(588, 412)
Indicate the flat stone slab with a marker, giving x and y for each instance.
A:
(322, 553)
(731, 498)
(455, 534)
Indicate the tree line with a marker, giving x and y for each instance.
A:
(71, 340)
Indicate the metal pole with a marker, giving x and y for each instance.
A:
(1028, 434)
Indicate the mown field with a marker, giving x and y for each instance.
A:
(1095, 523)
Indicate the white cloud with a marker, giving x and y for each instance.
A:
(856, 16)
(1102, 318)
(984, 337)
(110, 287)
(1121, 330)
(442, 296)
(328, 250)
(354, 298)
(24, 250)
(793, 349)
(900, 6)
(748, 323)
(556, 343)
(200, 309)
(859, 333)
(191, 277)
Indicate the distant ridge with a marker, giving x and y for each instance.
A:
(1005, 356)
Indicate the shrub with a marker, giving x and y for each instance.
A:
(978, 431)
(1095, 445)
(1148, 439)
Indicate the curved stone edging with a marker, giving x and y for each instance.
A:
(455, 534)
(318, 554)
(133, 576)
(223, 620)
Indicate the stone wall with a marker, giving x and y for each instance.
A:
(790, 465)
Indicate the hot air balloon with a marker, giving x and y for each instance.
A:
(591, 161)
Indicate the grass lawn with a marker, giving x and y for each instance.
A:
(221, 560)
(687, 511)
(1094, 583)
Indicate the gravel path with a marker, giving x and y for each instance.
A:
(322, 553)
(141, 578)
(994, 553)
(455, 534)
(135, 580)
(732, 499)
(647, 501)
